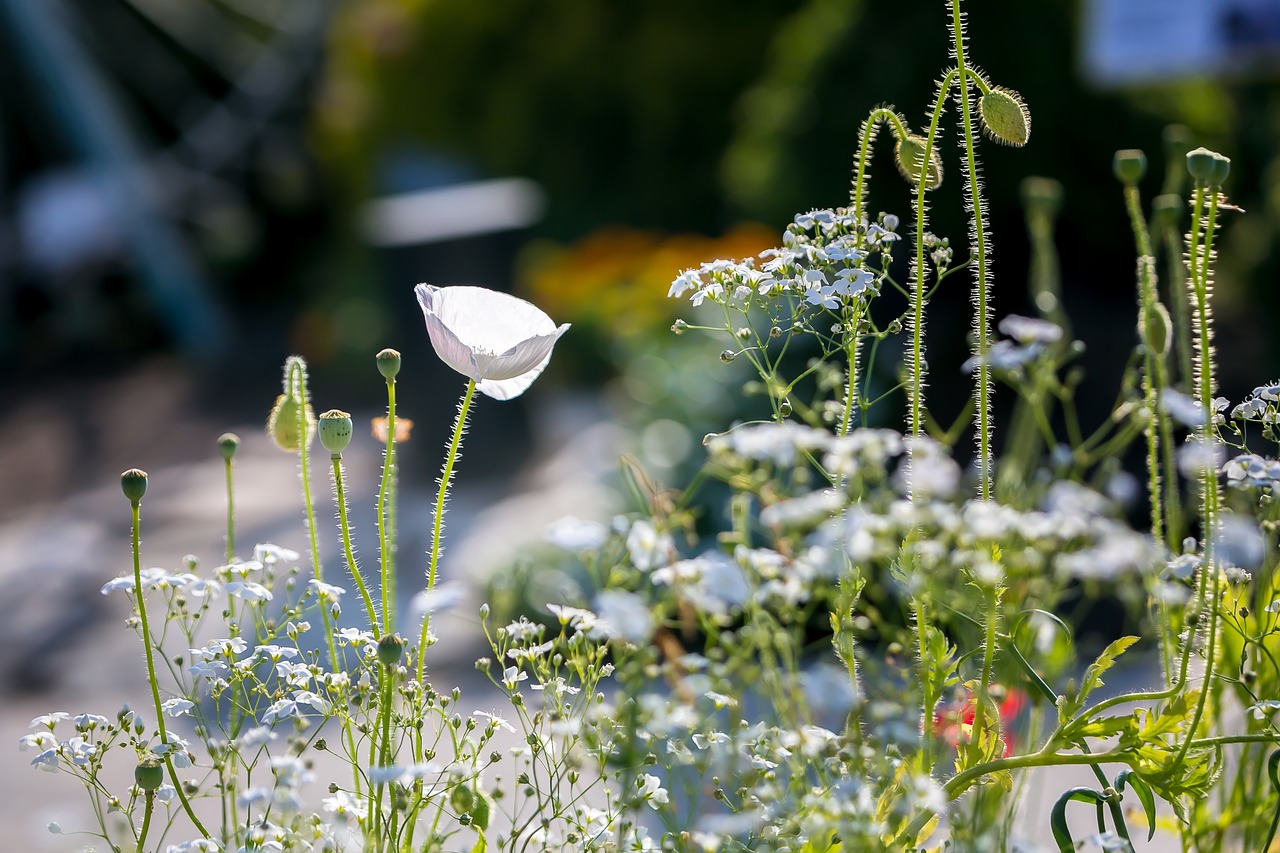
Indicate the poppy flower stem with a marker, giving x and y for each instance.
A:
(451, 458)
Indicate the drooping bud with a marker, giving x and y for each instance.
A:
(149, 774)
(1129, 166)
(388, 363)
(134, 484)
(292, 411)
(335, 430)
(909, 155)
(228, 444)
(1005, 116)
(1155, 328)
(390, 649)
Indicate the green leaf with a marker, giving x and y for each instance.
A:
(1143, 791)
(480, 813)
(1093, 675)
(481, 845)
(1104, 726)
(1058, 817)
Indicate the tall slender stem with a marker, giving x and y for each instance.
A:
(386, 521)
(978, 231)
(451, 458)
(348, 551)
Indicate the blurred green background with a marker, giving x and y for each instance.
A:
(660, 133)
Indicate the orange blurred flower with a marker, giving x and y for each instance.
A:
(403, 425)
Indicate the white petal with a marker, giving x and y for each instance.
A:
(521, 358)
(451, 351)
(484, 319)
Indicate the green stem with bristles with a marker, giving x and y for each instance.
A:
(386, 510)
(982, 320)
(451, 458)
(141, 599)
(348, 551)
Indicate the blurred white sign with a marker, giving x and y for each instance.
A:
(1151, 41)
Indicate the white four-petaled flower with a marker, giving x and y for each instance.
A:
(500, 341)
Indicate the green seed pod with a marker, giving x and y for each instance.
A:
(1155, 328)
(1005, 116)
(1177, 142)
(1043, 195)
(335, 430)
(388, 363)
(462, 799)
(134, 484)
(282, 423)
(1208, 168)
(149, 774)
(1167, 210)
(1129, 166)
(390, 648)
(228, 444)
(909, 153)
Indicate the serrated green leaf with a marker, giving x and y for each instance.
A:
(1104, 726)
(1093, 675)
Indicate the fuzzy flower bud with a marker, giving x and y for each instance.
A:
(228, 444)
(335, 430)
(1129, 166)
(149, 774)
(1005, 117)
(390, 648)
(388, 363)
(134, 484)
(909, 154)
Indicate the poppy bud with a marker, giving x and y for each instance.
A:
(909, 154)
(149, 774)
(390, 648)
(228, 444)
(1129, 166)
(335, 431)
(134, 484)
(1005, 116)
(388, 363)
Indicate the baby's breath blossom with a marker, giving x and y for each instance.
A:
(327, 592)
(1249, 469)
(652, 792)
(254, 593)
(780, 443)
(623, 616)
(648, 547)
(1182, 408)
(575, 535)
(178, 707)
(1030, 330)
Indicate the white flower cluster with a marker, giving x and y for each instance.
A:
(822, 261)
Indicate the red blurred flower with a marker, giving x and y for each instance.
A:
(953, 722)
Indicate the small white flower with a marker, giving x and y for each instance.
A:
(325, 592)
(1030, 330)
(494, 720)
(649, 549)
(249, 591)
(49, 720)
(500, 341)
(1182, 408)
(178, 707)
(652, 792)
(575, 535)
(269, 554)
(511, 676)
(624, 616)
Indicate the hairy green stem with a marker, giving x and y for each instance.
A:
(386, 514)
(348, 551)
(141, 599)
(231, 514)
(981, 282)
(446, 476)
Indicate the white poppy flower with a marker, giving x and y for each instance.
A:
(500, 341)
